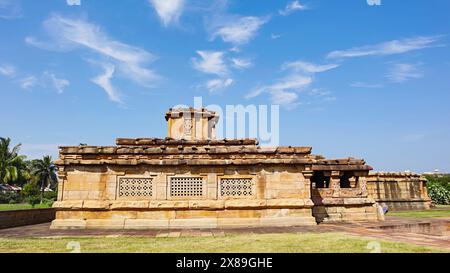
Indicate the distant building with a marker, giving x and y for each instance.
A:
(5, 188)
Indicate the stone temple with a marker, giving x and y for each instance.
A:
(193, 180)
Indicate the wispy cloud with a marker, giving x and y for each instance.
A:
(413, 137)
(218, 84)
(366, 85)
(292, 7)
(300, 75)
(169, 11)
(73, 2)
(104, 81)
(210, 62)
(237, 30)
(402, 72)
(387, 48)
(58, 83)
(70, 34)
(240, 63)
(7, 70)
(10, 9)
(308, 67)
(274, 36)
(28, 82)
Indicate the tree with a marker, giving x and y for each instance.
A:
(45, 172)
(11, 163)
(30, 193)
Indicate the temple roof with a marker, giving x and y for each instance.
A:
(154, 151)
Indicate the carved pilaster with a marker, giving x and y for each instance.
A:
(307, 174)
(335, 183)
(362, 181)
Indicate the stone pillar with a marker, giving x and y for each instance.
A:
(307, 174)
(62, 178)
(362, 182)
(335, 183)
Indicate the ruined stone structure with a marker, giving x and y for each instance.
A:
(193, 180)
(399, 191)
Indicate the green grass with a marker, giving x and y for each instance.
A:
(245, 243)
(22, 206)
(443, 211)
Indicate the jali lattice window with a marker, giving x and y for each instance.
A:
(239, 187)
(135, 187)
(186, 186)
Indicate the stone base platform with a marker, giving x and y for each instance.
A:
(182, 219)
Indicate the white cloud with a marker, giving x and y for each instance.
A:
(211, 62)
(387, 48)
(73, 2)
(322, 94)
(287, 99)
(104, 81)
(402, 72)
(218, 84)
(168, 10)
(58, 83)
(10, 9)
(285, 90)
(241, 63)
(28, 82)
(45, 79)
(292, 7)
(366, 85)
(275, 36)
(7, 70)
(69, 34)
(237, 30)
(308, 67)
(284, 87)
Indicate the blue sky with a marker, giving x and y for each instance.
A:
(351, 79)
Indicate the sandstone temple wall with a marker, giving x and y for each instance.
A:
(103, 197)
(399, 191)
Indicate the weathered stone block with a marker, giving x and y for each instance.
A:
(130, 204)
(92, 204)
(68, 204)
(207, 204)
(193, 223)
(146, 224)
(105, 223)
(68, 224)
(245, 203)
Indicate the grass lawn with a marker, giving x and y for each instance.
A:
(21, 206)
(246, 243)
(442, 211)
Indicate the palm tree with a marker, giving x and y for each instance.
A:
(45, 172)
(11, 163)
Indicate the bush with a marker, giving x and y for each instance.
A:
(51, 195)
(10, 198)
(439, 188)
(439, 194)
(442, 180)
(48, 202)
(31, 194)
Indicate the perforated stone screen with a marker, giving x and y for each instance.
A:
(186, 186)
(238, 187)
(135, 187)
